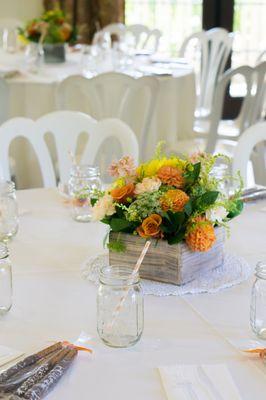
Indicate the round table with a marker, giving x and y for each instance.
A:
(33, 95)
(53, 302)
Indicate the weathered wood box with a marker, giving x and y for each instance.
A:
(170, 264)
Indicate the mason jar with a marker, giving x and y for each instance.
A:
(5, 280)
(120, 316)
(8, 211)
(84, 181)
(258, 302)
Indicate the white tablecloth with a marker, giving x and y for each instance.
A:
(52, 302)
(33, 95)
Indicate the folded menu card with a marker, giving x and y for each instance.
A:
(7, 355)
(198, 382)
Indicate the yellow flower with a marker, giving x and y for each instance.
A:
(23, 39)
(151, 168)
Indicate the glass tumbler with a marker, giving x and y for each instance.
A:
(8, 211)
(5, 280)
(120, 316)
(258, 302)
(84, 181)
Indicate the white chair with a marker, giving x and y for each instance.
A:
(215, 129)
(113, 95)
(212, 48)
(261, 57)
(144, 37)
(117, 29)
(83, 136)
(253, 136)
(55, 135)
(26, 128)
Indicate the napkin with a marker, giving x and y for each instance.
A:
(7, 355)
(198, 382)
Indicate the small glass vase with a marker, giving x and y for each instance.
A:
(84, 180)
(119, 322)
(8, 211)
(258, 302)
(5, 280)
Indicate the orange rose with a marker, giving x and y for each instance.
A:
(174, 200)
(201, 235)
(150, 227)
(171, 176)
(122, 194)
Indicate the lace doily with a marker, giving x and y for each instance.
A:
(233, 271)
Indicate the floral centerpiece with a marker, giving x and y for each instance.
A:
(52, 30)
(172, 199)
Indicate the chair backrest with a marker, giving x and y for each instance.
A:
(214, 46)
(144, 37)
(4, 100)
(261, 57)
(73, 132)
(26, 128)
(252, 103)
(112, 95)
(254, 135)
(117, 29)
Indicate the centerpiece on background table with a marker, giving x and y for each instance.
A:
(52, 31)
(178, 204)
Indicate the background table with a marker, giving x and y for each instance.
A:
(33, 95)
(53, 302)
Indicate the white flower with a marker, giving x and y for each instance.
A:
(103, 207)
(147, 185)
(216, 214)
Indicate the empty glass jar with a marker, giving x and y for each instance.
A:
(258, 302)
(120, 316)
(8, 211)
(5, 280)
(84, 180)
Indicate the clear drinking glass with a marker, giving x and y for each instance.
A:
(8, 211)
(258, 302)
(34, 57)
(221, 172)
(84, 180)
(10, 40)
(119, 322)
(5, 280)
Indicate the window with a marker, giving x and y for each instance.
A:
(177, 19)
(250, 31)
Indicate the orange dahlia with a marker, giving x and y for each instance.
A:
(150, 227)
(201, 235)
(174, 200)
(171, 176)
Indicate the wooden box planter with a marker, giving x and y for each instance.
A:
(174, 264)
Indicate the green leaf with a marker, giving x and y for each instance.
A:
(119, 224)
(176, 239)
(236, 209)
(192, 176)
(206, 200)
(93, 201)
(173, 222)
(188, 208)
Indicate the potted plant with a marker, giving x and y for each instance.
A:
(178, 204)
(52, 31)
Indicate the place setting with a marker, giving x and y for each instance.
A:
(132, 200)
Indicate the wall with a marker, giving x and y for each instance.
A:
(20, 9)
